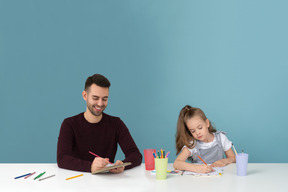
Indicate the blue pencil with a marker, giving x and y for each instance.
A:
(22, 176)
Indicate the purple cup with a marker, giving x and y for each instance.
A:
(241, 164)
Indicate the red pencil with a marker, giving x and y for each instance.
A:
(97, 156)
(202, 160)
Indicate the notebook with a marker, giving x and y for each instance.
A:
(109, 167)
(218, 171)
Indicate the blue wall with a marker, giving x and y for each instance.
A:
(227, 57)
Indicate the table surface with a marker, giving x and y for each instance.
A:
(260, 177)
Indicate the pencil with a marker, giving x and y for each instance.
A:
(167, 154)
(40, 175)
(234, 149)
(74, 177)
(202, 160)
(22, 176)
(46, 177)
(97, 156)
(29, 175)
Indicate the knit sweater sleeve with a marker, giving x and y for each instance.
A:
(65, 157)
(128, 146)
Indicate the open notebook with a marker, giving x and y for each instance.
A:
(111, 166)
(218, 171)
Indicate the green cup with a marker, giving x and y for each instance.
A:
(161, 168)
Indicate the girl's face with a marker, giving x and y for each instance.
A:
(199, 128)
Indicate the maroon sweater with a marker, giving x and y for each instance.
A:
(77, 137)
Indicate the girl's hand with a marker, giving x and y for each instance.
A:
(204, 169)
(220, 163)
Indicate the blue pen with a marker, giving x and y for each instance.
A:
(22, 176)
(154, 155)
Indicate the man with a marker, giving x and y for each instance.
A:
(95, 131)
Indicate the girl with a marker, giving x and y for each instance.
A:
(196, 136)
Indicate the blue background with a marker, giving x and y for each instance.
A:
(227, 57)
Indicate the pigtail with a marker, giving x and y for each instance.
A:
(183, 135)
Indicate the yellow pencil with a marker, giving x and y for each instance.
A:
(74, 177)
(234, 149)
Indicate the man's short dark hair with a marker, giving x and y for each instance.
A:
(97, 79)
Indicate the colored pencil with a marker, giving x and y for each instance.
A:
(167, 154)
(97, 156)
(29, 175)
(40, 175)
(46, 177)
(234, 149)
(74, 177)
(202, 160)
(22, 176)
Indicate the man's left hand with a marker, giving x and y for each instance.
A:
(119, 169)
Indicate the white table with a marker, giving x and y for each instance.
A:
(261, 177)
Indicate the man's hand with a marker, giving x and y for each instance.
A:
(99, 163)
(119, 169)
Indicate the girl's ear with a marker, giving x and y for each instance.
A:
(207, 122)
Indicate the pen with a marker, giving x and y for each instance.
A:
(154, 155)
(97, 156)
(40, 175)
(29, 175)
(74, 177)
(46, 177)
(22, 176)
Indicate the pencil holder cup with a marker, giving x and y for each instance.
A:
(161, 168)
(149, 159)
(241, 164)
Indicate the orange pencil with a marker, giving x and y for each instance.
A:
(74, 177)
(202, 160)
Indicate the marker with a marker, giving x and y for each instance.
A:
(22, 176)
(46, 177)
(40, 175)
(154, 155)
(29, 175)
(97, 156)
(74, 177)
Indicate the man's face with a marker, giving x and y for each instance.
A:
(96, 98)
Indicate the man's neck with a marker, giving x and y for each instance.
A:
(92, 118)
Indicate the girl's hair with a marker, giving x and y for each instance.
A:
(183, 135)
